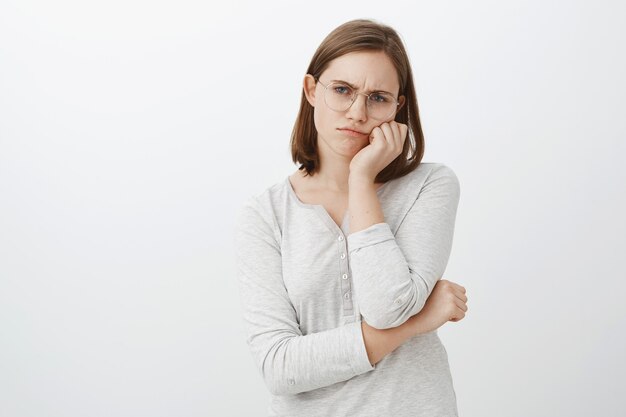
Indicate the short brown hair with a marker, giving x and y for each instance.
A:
(352, 36)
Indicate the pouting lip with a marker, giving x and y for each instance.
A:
(354, 130)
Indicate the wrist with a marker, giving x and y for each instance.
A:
(360, 180)
(419, 324)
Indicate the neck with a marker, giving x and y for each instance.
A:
(334, 178)
(334, 171)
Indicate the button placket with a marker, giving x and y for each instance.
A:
(344, 275)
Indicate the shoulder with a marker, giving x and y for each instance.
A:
(427, 173)
(433, 170)
(260, 209)
(443, 173)
(433, 178)
(442, 182)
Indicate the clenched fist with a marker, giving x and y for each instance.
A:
(447, 302)
(386, 144)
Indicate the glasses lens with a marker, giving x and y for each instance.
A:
(338, 96)
(381, 105)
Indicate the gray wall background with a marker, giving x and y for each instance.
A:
(131, 132)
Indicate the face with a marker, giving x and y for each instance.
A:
(367, 71)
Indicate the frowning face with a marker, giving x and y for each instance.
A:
(345, 133)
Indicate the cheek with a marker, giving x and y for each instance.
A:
(322, 120)
(316, 119)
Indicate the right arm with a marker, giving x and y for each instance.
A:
(447, 302)
(288, 361)
(381, 342)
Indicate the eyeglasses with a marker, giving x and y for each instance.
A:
(339, 97)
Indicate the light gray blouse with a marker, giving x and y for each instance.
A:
(305, 284)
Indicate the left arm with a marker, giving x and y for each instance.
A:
(394, 275)
(363, 204)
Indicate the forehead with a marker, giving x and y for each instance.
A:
(369, 70)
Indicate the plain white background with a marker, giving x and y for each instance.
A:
(132, 131)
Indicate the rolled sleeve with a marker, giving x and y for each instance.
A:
(373, 235)
(355, 344)
(393, 275)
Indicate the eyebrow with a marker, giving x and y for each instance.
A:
(356, 88)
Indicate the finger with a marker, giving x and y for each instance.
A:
(458, 287)
(460, 304)
(395, 128)
(459, 314)
(376, 133)
(388, 133)
(459, 291)
(403, 130)
(400, 135)
(460, 296)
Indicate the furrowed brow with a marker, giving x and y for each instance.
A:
(356, 88)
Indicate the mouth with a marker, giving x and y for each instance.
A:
(353, 133)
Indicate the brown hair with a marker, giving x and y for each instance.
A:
(352, 36)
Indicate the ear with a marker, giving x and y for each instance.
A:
(308, 85)
(402, 100)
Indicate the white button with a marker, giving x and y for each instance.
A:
(340, 238)
(344, 276)
(291, 381)
(343, 255)
(347, 296)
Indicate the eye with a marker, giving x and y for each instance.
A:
(380, 98)
(342, 89)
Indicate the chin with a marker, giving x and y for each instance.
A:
(350, 147)
(343, 145)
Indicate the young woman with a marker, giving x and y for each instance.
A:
(340, 265)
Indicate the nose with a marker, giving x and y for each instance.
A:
(358, 108)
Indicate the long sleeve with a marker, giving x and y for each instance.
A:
(394, 275)
(288, 361)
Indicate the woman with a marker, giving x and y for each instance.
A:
(340, 264)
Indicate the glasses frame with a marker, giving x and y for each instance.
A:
(354, 96)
